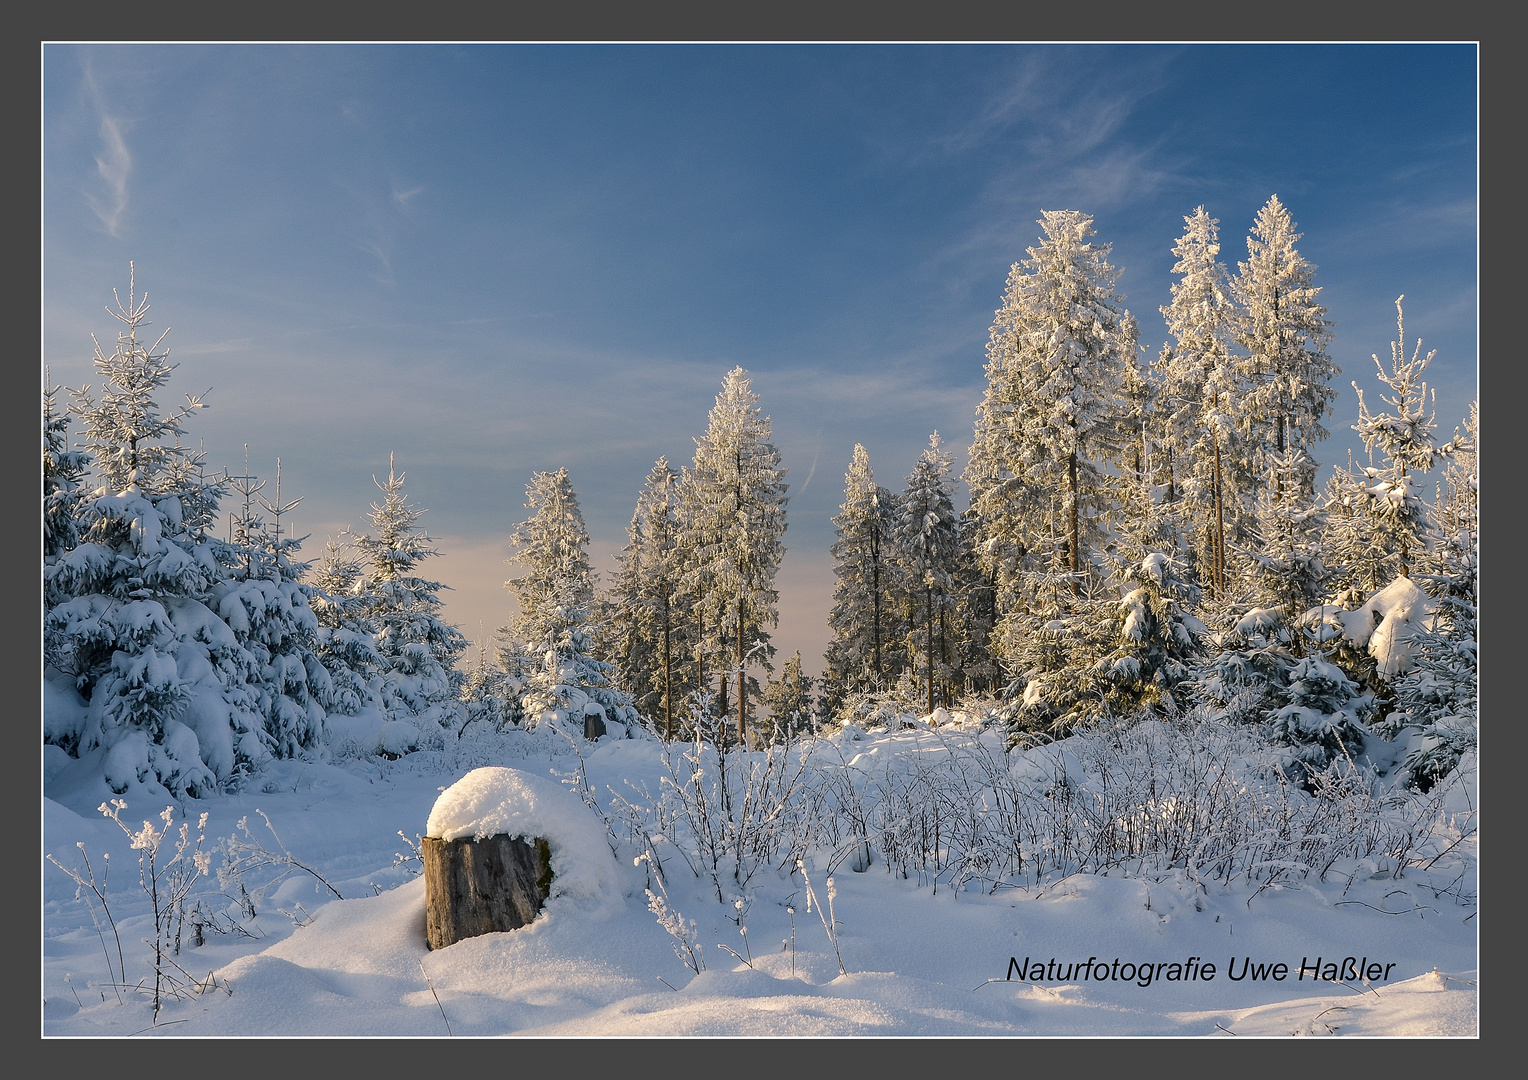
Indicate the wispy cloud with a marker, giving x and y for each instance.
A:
(384, 218)
(1058, 105)
(114, 163)
(1063, 131)
(813, 470)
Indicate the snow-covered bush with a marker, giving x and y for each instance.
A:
(167, 692)
(733, 812)
(1323, 720)
(1157, 640)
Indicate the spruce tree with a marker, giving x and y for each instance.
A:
(862, 619)
(1199, 401)
(651, 619)
(1358, 558)
(552, 639)
(268, 607)
(789, 700)
(552, 545)
(975, 616)
(346, 637)
(1438, 699)
(1284, 372)
(928, 548)
(1050, 646)
(1286, 569)
(1055, 356)
(64, 472)
(420, 683)
(1157, 640)
(165, 683)
(1407, 450)
(736, 499)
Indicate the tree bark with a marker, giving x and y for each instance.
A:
(742, 732)
(1076, 552)
(668, 669)
(483, 886)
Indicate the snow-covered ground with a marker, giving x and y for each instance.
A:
(913, 956)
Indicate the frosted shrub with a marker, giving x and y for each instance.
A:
(735, 811)
(167, 877)
(944, 813)
(1192, 798)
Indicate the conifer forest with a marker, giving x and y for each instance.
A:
(474, 474)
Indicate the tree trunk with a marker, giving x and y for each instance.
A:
(1076, 553)
(928, 641)
(474, 887)
(668, 669)
(742, 732)
(875, 607)
(1220, 527)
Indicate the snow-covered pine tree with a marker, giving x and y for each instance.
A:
(1404, 438)
(1284, 374)
(975, 616)
(651, 620)
(928, 549)
(269, 609)
(1050, 645)
(552, 545)
(1157, 640)
(163, 682)
(1245, 676)
(1134, 440)
(420, 684)
(736, 496)
(1044, 425)
(564, 680)
(1437, 700)
(789, 701)
(490, 697)
(63, 486)
(1199, 401)
(862, 621)
(1358, 559)
(1285, 569)
(1323, 721)
(346, 639)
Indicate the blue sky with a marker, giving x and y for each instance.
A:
(493, 260)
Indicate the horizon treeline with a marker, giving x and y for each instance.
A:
(1143, 537)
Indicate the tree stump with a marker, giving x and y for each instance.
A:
(594, 726)
(474, 887)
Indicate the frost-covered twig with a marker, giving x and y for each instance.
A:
(87, 880)
(243, 854)
(829, 922)
(685, 933)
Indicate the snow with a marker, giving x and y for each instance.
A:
(494, 800)
(1383, 625)
(921, 958)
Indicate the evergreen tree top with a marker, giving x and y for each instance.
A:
(399, 544)
(125, 433)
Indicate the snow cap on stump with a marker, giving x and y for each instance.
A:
(494, 801)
